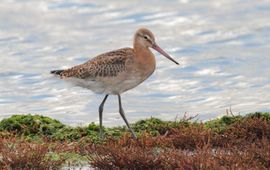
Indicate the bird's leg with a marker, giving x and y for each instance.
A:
(122, 113)
(100, 116)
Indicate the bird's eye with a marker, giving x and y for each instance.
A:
(145, 37)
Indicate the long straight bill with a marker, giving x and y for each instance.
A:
(156, 47)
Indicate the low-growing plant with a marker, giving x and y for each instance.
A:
(237, 142)
(31, 125)
(21, 154)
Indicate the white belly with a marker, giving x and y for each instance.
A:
(110, 85)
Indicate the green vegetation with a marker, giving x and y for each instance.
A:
(37, 126)
(221, 124)
(31, 125)
(45, 143)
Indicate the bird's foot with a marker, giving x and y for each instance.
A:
(133, 134)
(101, 135)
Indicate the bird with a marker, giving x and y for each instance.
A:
(117, 71)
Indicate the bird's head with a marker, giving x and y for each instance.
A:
(145, 38)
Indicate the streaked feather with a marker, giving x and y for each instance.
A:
(109, 64)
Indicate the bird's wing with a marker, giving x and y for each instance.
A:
(109, 64)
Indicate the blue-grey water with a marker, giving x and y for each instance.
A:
(223, 47)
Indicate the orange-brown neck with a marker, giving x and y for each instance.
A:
(143, 54)
(145, 59)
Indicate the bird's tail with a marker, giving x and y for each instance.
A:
(58, 72)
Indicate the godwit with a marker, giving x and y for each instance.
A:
(117, 71)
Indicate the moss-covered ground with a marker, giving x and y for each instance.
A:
(231, 142)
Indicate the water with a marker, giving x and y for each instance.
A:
(223, 47)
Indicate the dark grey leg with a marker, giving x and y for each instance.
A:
(122, 113)
(100, 116)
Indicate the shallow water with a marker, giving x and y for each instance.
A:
(223, 47)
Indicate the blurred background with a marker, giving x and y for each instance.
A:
(223, 48)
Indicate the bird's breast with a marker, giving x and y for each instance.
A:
(146, 65)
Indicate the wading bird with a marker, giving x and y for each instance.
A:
(117, 71)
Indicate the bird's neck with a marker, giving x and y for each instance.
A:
(145, 59)
(142, 52)
(139, 49)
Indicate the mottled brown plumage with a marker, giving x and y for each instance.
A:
(109, 64)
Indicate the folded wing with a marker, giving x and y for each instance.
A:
(105, 65)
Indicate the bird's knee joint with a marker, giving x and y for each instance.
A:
(100, 109)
